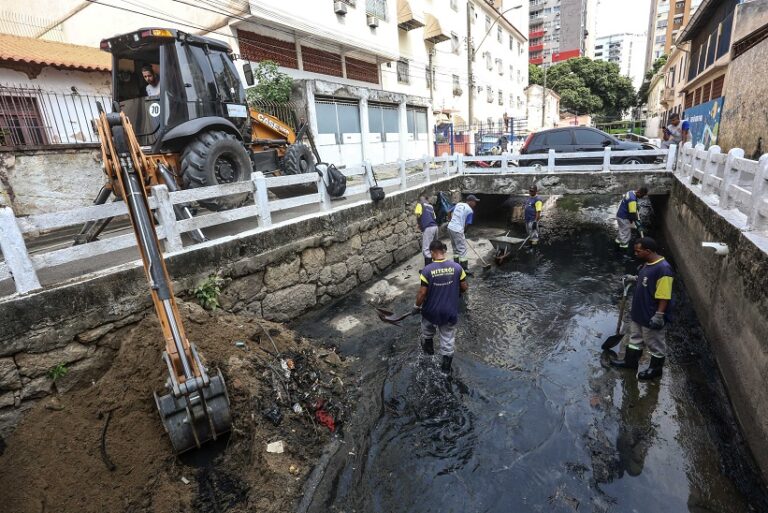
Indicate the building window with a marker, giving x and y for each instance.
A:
(337, 117)
(487, 23)
(498, 34)
(362, 70)
(376, 8)
(430, 77)
(500, 66)
(255, 47)
(20, 122)
(455, 5)
(511, 72)
(488, 61)
(501, 97)
(402, 72)
(456, 86)
(320, 61)
(416, 120)
(488, 94)
(511, 100)
(455, 46)
(383, 119)
(511, 42)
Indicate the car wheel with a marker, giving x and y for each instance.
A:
(634, 161)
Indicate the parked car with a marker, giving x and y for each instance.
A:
(629, 136)
(583, 139)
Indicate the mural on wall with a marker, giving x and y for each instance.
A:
(705, 121)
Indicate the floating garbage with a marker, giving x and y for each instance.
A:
(276, 447)
(274, 415)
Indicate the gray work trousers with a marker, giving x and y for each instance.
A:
(446, 335)
(533, 233)
(625, 231)
(429, 235)
(459, 244)
(641, 337)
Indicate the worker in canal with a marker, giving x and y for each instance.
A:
(532, 214)
(626, 216)
(461, 216)
(650, 310)
(442, 283)
(427, 222)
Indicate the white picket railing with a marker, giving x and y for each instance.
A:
(728, 181)
(22, 266)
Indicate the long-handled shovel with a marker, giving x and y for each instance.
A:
(391, 318)
(486, 265)
(614, 340)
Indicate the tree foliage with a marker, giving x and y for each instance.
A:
(588, 87)
(272, 85)
(642, 93)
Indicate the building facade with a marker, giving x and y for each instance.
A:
(667, 18)
(561, 29)
(625, 50)
(550, 117)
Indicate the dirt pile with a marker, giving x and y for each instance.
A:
(54, 461)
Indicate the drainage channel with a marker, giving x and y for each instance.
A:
(532, 419)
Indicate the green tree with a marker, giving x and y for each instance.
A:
(271, 84)
(588, 87)
(642, 93)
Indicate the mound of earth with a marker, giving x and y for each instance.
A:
(54, 462)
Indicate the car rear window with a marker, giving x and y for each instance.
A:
(559, 138)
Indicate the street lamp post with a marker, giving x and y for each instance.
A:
(471, 52)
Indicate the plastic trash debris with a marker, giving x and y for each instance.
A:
(274, 415)
(297, 408)
(240, 344)
(276, 447)
(293, 469)
(289, 363)
(286, 369)
(184, 480)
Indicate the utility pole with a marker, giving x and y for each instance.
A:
(470, 58)
(544, 98)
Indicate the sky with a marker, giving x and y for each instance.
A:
(615, 16)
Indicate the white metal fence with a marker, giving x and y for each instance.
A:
(728, 181)
(23, 266)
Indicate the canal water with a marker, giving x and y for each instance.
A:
(531, 419)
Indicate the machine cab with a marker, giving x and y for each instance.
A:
(194, 77)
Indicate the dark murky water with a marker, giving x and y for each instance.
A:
(531, 420)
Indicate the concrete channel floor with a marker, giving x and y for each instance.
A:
(532, 419)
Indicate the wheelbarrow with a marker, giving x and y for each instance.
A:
(503, 246)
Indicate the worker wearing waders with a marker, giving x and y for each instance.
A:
(427, 220)
(442, 282)
(626, 216)
(533, 207)
(650, 310)
(460, 217)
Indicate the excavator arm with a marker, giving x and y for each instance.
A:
(195, 408)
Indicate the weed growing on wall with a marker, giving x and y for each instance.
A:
(207, 293)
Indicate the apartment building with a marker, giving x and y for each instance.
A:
(560, 30)
(666, 20)
(626, 51)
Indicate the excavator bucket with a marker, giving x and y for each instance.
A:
(193, 419)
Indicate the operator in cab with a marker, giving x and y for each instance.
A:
(152, 79)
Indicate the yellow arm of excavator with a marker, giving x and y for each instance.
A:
(266, 126)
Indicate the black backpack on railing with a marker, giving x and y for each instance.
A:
(335, 181)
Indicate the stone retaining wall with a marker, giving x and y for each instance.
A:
(276, 274)
(729, 294)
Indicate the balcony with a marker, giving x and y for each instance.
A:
(535, 33)
(536, 48)
(667, 96)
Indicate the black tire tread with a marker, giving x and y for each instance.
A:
(294, 153)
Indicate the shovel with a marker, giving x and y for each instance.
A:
(614, 340)
(486, 265)
(391, 318)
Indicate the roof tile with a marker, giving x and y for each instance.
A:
(51, 53)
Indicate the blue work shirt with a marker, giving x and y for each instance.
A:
(628, 207)
(443, 279)
(426, 215)
(654, 282)
(533, 204)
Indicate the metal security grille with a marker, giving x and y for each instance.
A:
(377, 8)
(34, 117)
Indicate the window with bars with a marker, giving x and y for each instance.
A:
(20, 122)
(338, 117)
(455, 45)
(456, 86)
(511, 42)
(403, 76)
(376, 8)
(487, 23)
(488, 60)
(383, 119)
(498, 34)
(500, 66)
(501, 97)
(489, 94)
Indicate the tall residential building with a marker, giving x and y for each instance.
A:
(627, 51)
(667, 18)
(561, 29)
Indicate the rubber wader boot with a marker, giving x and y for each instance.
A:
(465, 266)
(427, 261)
(428, 346)
(446, 367)
(653, 370)
(631, 359)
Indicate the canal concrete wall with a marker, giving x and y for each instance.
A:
(614, 182)
(729, 294)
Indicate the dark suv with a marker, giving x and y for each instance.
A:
(583, 139)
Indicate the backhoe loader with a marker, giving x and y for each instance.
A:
(197, 130)
(195, 406)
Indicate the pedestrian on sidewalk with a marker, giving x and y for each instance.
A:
(460, 217)
(533, 206)
(650, 310)
(442, 282)
(676, 132)
(626, 216)
(427, 222)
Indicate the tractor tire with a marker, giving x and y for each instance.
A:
(298, 159)
(214, 158)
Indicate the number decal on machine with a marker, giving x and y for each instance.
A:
(154, 110)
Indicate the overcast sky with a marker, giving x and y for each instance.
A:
(614, 16)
